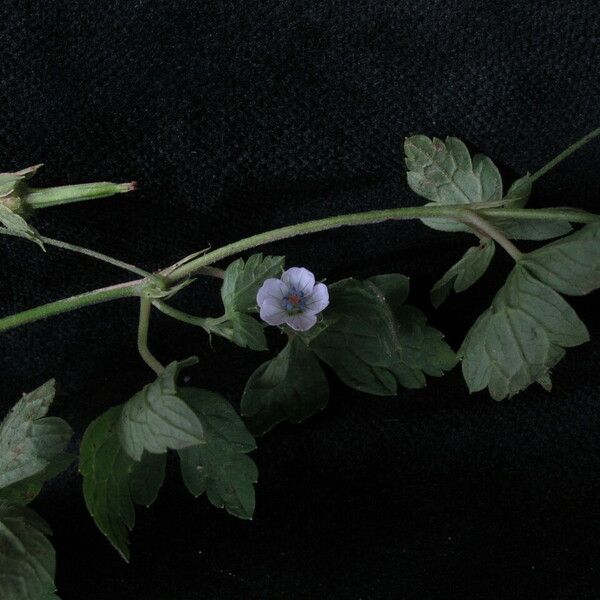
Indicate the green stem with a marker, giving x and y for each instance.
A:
(81, 250)
(66, 194)
(135, 288)
(123, 290)
(456, 213)
(473, 219)
(179, 315)
(142, 340)
(564, 154)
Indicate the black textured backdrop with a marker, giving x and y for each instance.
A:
(237, 117)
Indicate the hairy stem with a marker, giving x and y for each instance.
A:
(142, 339)
(564, 154)
(81, 250)
(123, 290)
(455, 213)
(200, 264)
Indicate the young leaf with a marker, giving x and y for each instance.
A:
(156, 418)
(291, 386)
(444, 173)
(373, 343)
(27, 559)
(112, 481)
(467, 271)
(243, 279)
(520, 337)
(571, 265)
(220, 467)
(247, 331)
(31, 445)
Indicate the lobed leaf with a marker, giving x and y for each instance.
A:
(113, 481)
(247, 331)
(467, 271)
(243, 280)
(445, 173)
(156, 418)
(220, 467)
(27, 559)
(570, 265)
(32, 445)
(290, 387)
(520, 338)
(373, 344)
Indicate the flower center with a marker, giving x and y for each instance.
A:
(294, 302)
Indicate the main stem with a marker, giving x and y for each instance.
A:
(456, 213)
(135, 288)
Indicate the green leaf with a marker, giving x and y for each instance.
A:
(247, 331)
(291, 386)
(444, 173)
(226, 476)
(112, 481)
(156, 418)
(147, 477)
(106, 471)
(27, 559)
(32, 445)
(468, 270)
(373, 345)
(394, 287)
(18, 224)
(219, 419)
(532, 229)
(220, 467)
(571, 265)
(520, 338)
(243, 280)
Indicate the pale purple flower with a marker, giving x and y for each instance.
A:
(295, 299)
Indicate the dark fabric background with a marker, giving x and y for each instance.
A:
(237, 117)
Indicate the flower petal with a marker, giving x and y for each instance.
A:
(301, 322)
(318, 300)
(271, 288)
(300, 279)
(272, 313)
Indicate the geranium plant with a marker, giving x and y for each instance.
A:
(364, 330)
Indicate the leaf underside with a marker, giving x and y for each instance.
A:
(523, 335)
